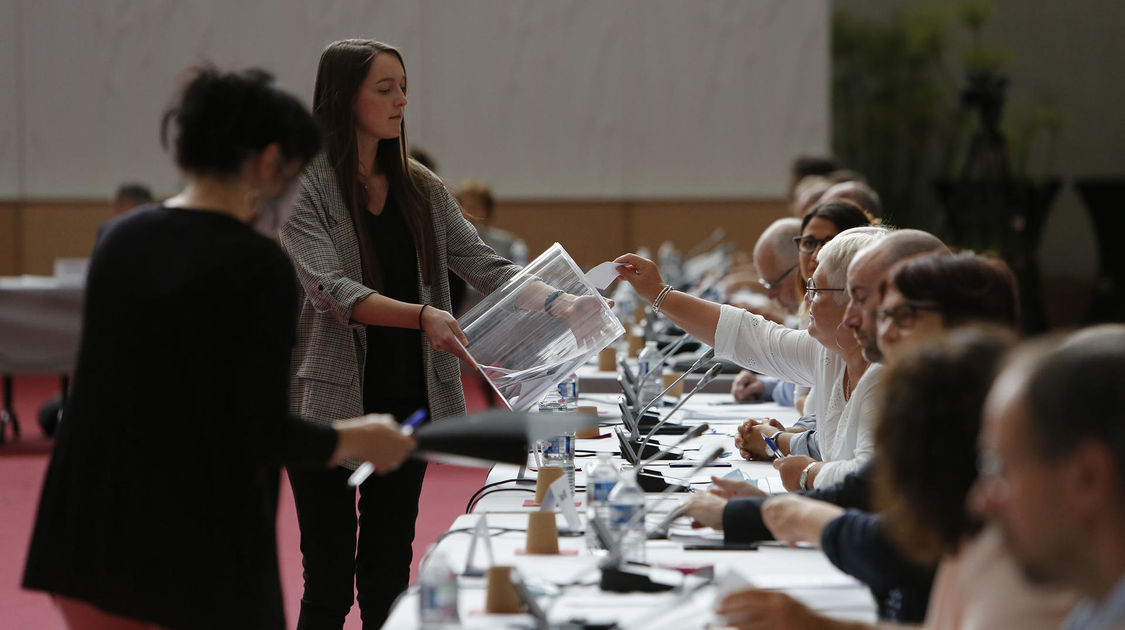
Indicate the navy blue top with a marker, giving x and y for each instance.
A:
(854, 543)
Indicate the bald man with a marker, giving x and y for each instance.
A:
(775, 256)
(870, 268)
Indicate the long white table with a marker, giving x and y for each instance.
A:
(568, 583)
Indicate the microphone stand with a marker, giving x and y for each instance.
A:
(703, 381)
(667, 354)
(637, 417)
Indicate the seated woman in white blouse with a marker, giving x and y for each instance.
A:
(825, 357)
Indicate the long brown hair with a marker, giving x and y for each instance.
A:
(343, 67)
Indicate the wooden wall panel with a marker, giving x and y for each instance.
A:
(688, 223)
(65, 229)
(591, 232)
(9, 239)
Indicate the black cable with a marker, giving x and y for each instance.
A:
(486, 486)
(473, 505)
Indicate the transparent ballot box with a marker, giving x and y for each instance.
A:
(531, 333)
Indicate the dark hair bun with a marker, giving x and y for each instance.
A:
(222, 119)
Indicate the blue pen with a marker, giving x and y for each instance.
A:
(365, 469)
(415, 419)
(772, 447)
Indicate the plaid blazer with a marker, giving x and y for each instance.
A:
(320, 237)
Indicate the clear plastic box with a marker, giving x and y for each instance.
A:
(522, 349)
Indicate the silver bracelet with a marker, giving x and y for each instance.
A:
(660, 298)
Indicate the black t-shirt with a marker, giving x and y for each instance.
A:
(160, 500)
(393, 380)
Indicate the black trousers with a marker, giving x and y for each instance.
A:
(333, 557)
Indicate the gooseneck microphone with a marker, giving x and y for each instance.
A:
(703, 382)
(706, 356)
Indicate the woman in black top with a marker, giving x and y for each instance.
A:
(372, 238)
(160, 500)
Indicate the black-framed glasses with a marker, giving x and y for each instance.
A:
(775, 283)
(811, 290)
(904, 315)
(808, 244)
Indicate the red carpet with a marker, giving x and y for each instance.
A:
(23, 462)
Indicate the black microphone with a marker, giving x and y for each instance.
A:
(703, 382)
(690, 435)
(706, 356)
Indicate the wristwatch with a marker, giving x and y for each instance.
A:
(554, 295)
(805, 475)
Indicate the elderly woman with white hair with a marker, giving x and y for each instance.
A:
(825, 357)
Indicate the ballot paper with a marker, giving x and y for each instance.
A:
(603, 275)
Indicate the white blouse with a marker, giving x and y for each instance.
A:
(845, 429)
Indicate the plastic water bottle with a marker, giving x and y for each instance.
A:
(599, 483)
(649, 361)
(437, 594)
(519, 253)
(624, 301)
(560, 452)
(568, 391)
(627, 516)
(551, 401)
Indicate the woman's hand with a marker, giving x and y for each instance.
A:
(444, 333)
(375, 438)
(643, 274)
(706, 509)
(729, 489)
(751, 441)
(791, 467)
(582, 313)
(747, 386)
(793, 518)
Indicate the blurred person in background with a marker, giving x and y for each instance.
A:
(1053, 470)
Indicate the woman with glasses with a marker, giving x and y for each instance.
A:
(820, 225)
(826, 356)
(927, 295)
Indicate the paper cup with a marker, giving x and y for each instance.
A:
(636, 344)
(501, 597)
(607, 360)
(671, 378)
(542, 533)
(593, 432)
(547, 476)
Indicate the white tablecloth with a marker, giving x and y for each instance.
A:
(568, 582)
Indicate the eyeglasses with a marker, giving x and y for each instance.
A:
(773, 284)
(811, 290)
(808, 244)
(904, 315)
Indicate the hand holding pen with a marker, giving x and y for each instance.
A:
(366, 468)
(771, 448)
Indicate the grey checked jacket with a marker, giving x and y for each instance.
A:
(331, 349)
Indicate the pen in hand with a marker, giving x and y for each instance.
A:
(772, 447)
(365, 469)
